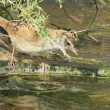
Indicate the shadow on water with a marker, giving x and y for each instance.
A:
(56, 94)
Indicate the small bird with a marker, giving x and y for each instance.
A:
(25, 40)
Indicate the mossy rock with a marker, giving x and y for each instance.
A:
(104, 72)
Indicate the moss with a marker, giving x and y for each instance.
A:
(104, 72)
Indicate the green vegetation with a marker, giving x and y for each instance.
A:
(104, 72)
(28, 12)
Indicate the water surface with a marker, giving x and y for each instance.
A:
(68, 94)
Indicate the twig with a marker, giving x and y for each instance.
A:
(1, 35)
(97, 9)
(63, 7)
(93, 38)
(3, 45)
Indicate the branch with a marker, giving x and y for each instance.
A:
(97, 9)
(63, 7)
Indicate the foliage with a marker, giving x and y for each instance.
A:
(29, 12)
(104, 72)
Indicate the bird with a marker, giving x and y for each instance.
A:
(26, 40)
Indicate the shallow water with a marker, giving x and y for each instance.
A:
(75, 94)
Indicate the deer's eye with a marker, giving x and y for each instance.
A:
(67, 43)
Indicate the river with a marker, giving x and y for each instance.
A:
(75, 93)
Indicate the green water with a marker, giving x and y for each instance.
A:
(68, 94)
